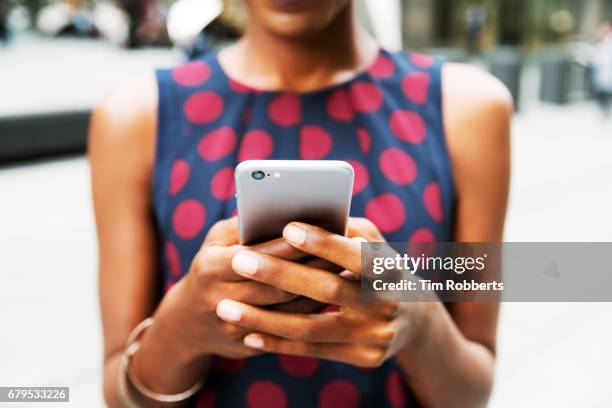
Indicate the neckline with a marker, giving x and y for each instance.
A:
(359, 75)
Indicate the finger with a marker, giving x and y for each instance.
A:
(319, 263)
(297, 278)
(319, 328)
(364, 356)
(223, 232)
(348, 275)
(235, 347)
(215, 263)
(215, 260)
(334, 248)
(280, 248)
(363, 227)
(256, 293)
(301, 304)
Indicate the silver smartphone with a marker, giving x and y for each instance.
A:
(272, 193)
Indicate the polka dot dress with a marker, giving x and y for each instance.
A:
(386, 122)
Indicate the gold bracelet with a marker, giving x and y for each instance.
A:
(132, 346)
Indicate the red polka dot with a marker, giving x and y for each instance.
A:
(285, 110)
(188, 218)
(407, 126)
(256, 145)
(217, 143)
(339, 106)
(339, 393)
(396, 393)
(422, 241)
(192, 73)
(227, 365)
(433, 201)
(315, 142)
(365, 141)
(366, 97)
(398, 166)
(300, 367)
(206, 398)
(331, 309)
(238, 87)
(173, 259)
(421, 60)
(382, 68)
(266, 394)
(361, 176)
(386, 211)
(179, 174)
(203, 107)
(416, 86)
(222, 184)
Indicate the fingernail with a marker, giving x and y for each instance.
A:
(253, 340)
(244, 264)
(348, 275)
(229, 311)
(294, 234)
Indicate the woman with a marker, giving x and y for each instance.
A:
(429, 144)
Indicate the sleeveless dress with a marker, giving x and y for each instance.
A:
(386, 122)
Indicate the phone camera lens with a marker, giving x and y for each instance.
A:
(258, 175)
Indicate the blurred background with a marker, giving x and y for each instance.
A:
(59, 58)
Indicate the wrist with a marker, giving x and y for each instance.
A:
(422, 325)
(173, 321)
(168, 360)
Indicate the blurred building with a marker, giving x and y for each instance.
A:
(528, 23)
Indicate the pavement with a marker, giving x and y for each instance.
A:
(557, 354)
(550, 354)
(68, 73)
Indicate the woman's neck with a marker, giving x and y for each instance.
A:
(265, 60)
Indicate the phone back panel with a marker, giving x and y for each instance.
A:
(311, 191)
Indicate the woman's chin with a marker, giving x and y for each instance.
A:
(295, 19)
(295, 5)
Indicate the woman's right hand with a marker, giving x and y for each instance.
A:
(189, 307)
(186, 328)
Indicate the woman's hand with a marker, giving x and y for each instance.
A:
(359, 333)
(186, 322)
(210, 279)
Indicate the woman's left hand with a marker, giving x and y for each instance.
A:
(358, 333)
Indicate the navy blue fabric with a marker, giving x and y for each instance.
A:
(387, 122)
